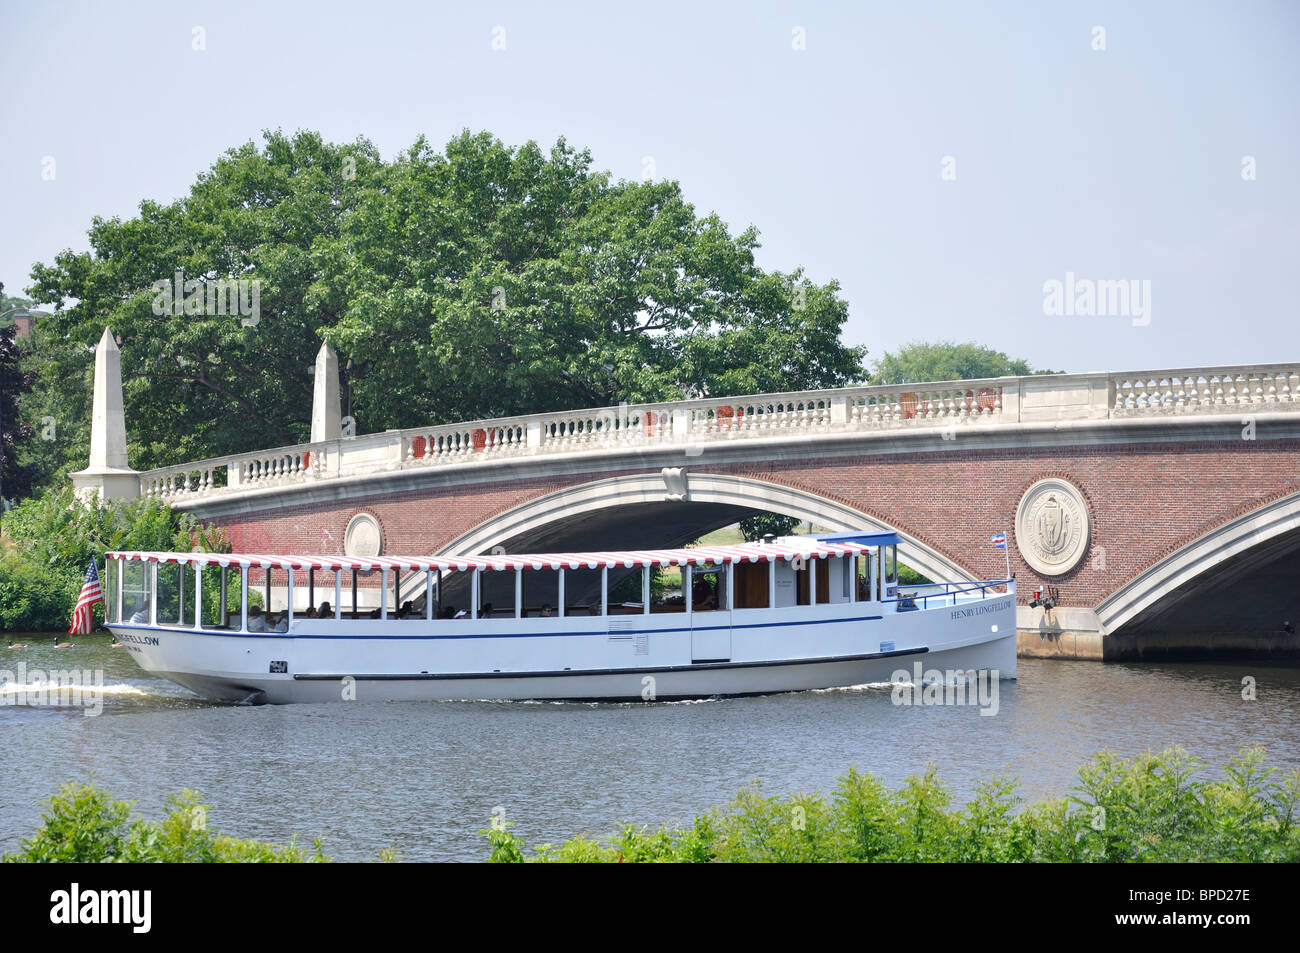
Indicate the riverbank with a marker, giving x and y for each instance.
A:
(1152, 808)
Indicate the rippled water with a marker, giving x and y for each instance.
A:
(424, 777)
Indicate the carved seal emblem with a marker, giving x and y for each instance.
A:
(363, 536)
(1052, 526)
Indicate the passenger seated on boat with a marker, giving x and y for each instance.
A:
(311, 612)
(407, 610)
(325, 612)
(546, 610)
(448, 613)
(461, 614)
(142, 616)
(374, 613)
(487, 611)
(281, 624)
(256, 623)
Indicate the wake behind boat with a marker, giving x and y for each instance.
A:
(789, 614)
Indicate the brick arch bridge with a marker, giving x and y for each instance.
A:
(1189, 480)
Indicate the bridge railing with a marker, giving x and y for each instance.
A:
(1205, 390)
(943, 405)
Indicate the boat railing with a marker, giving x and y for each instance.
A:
(909, 601)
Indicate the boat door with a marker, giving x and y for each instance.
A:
(709, 590)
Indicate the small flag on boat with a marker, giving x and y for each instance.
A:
(999, 540)
(83, 616)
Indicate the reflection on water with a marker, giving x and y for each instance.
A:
(424, 777)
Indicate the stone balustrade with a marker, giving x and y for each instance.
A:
(994, 402)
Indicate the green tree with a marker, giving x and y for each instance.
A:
(924, 361)
(15, 478)
(760, 524)
(477, 281)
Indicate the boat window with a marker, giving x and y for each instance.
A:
(211, 582)
(274, 584)
(111, 569)
(666, 589)
(453, 594)
(361, 596)
(891, 570)
(172, 597)
(751, 585)
(541, 593)
(861, 563)
(625, 591)
(582, 592)
(496, 594)
(135, 592)
(709, 589)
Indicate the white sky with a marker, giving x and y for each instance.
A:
(1117, 164)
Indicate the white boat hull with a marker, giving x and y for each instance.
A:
(626, 658)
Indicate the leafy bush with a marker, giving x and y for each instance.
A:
(47, 541)
(85, 825)
(1149, 809)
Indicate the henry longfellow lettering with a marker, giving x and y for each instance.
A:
(979, 610)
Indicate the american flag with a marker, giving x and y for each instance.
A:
(83, 617)
(999, 540)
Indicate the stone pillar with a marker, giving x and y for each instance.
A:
(108, 475)
(326, 412)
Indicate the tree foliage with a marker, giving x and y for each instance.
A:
(46, 543)
(924, 361)
(473, 282)
(15, 477)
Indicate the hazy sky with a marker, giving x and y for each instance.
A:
(1122, 163)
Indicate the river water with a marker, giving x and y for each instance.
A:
(425, 777)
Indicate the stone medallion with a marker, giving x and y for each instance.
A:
(363, 536)
(1052, 526)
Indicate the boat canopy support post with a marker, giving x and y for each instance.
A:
(645, 590)
(688, 595)
(198, 595)
(428, 593)
(225, 597)
(243, 600)
(561, 613)
(383, 593)
(604, 590)
(290, 594)
(475, 588)
(519, 593)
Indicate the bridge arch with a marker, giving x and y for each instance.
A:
(585, 516)
(1225, 555)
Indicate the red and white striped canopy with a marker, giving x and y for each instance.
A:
(698, 556)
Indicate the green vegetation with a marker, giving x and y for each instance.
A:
(1150, 809)
(46, 543)
(475, 281)
(84, 825)
(760, 524)
(921, 362)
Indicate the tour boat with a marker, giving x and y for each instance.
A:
(780, 615)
